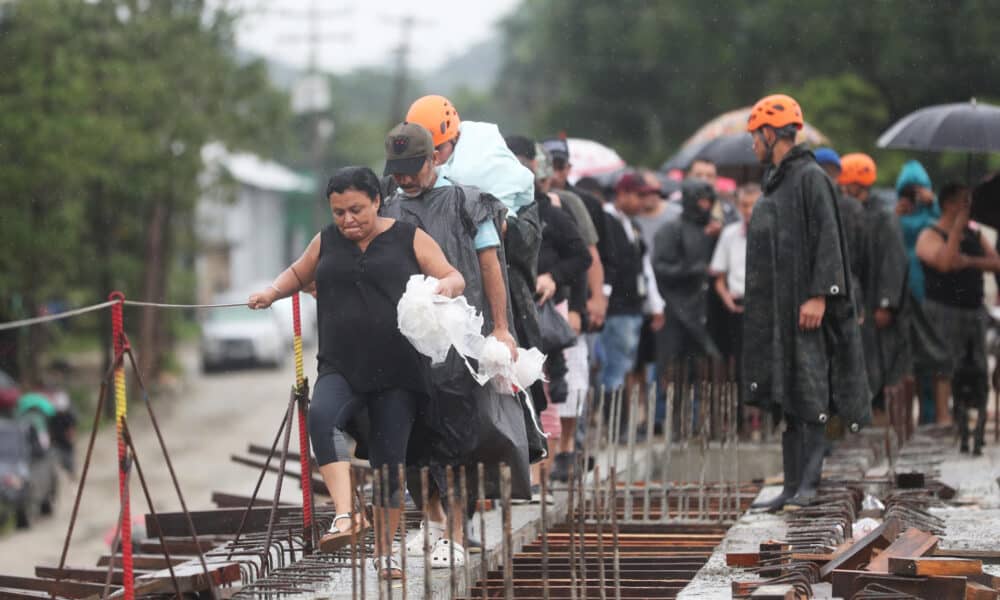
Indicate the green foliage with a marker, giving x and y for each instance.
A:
(104, 107)
(642, 76)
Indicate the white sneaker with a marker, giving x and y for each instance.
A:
(415, 543)
(441, 557)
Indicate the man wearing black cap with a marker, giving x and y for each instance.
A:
(466, 223)
(597, 305)
(633, 286)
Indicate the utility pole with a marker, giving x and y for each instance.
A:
(397, 108)
(311, 93)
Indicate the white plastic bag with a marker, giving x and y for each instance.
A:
(434, 324)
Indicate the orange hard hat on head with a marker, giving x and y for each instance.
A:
(857, 168)
(777, 111)
(437, 115)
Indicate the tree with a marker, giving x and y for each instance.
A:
(106, 108)
(642, 76)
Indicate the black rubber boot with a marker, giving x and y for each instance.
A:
(812, 452)
(790, 448)
(980, 433)
(560, 467)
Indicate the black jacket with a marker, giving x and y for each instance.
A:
(563, 253)
(623, 268)
(682, 253)
(883, 270)
(796, 251)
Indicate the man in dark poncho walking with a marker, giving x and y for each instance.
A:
(802, 355)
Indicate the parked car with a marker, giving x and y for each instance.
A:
(28, 479)
(240, 336)
(307, 313)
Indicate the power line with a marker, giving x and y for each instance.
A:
(402, 53)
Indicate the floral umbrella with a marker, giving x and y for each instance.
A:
(590, 159)
(726, 142)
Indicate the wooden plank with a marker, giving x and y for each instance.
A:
(176, 546)
(934, 566)
(317, 484)
(92, 575)
(742, 559)
(145, 561)
(215, 521)
(857, 553)
(69, 589)
(913, 543)
(8, 594)
(990, 581)
(847, 583)
(224, 500)
(190, 578)
(774, 592)
(989, 557)
(978, 591)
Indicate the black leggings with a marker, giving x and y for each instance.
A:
(391, 414)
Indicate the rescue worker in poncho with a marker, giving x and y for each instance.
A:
(802, 351)
(850, 214)
(682, 252)
(466, 422)
(880, 256)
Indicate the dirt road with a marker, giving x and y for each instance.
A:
(214, 417)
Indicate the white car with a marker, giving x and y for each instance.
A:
(240, 336)
(282, 310)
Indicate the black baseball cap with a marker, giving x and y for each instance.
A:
(557, 147)
(407, 148)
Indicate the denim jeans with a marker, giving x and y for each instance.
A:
(619, 342)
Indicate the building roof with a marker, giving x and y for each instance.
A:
(252, 170)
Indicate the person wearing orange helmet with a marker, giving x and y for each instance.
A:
(439, 116)
(880, 256)
(473, 153)
(802, 351)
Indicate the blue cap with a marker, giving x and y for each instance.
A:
(827, 156)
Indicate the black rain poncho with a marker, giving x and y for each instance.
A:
(796, 251)
(682, 252)
(850, 220)
(883, 269)
(468, 423)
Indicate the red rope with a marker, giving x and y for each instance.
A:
(304, 463)
(125, 527)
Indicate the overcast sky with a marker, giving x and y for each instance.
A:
(364, 33)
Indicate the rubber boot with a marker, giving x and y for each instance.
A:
(560, 467)
(980, 433)
(790, 447)
(812, 452)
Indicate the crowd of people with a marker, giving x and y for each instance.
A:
(844, 308)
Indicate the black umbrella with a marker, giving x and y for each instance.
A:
(986, 202)
(962, 127)
(733, 150)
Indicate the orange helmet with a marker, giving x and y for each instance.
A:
(437, 115)
(777, 111)
(857, 168)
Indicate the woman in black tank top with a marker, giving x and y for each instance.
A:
(360, 266)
